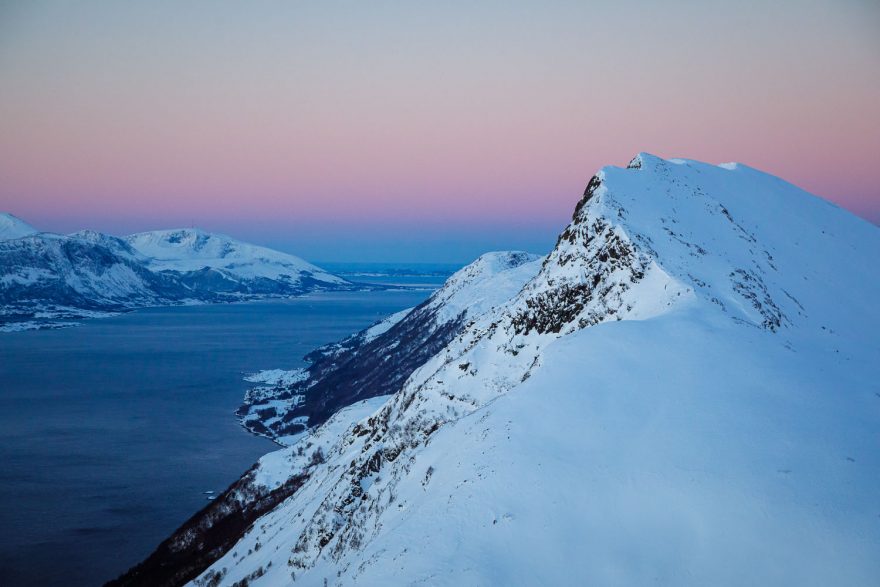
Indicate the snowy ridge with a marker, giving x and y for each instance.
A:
(382, 326)
(699, 333)
(484, 284)
(374, 360)
(268, 483)
(593, 275)
(14, 227)
(377, 360)
(350, 343)
(188, 250)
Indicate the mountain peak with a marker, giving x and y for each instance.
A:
(644, 159)
(694, 328)
(12, 226)
(193, 249)
(749, 242)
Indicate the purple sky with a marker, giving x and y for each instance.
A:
(416, 131)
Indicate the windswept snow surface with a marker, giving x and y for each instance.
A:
(685, 394)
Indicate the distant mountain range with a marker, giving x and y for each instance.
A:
(682, 392)
(51, 280)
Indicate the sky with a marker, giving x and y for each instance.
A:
(416, 131)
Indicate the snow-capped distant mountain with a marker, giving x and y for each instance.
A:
(377, 360)
(14, 227)
(218, 263)
(51, 280)
(684, 393)
(115, 244)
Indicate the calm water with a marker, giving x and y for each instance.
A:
(409, 275)
(110, 432)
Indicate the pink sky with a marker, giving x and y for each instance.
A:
(276, 120)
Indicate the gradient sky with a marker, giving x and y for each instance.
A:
(403, 131)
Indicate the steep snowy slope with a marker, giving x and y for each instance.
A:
(14, 227)
(378, 360)
(218, 263)
(384, 355)
(212, 531)
(685, 394)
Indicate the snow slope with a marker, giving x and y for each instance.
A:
(212, 531)
(377, 360)
(190, 251)
(684, 394)
(14, 227)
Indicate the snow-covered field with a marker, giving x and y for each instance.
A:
(684, 393)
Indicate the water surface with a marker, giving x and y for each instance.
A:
(111, 432)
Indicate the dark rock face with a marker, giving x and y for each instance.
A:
(372, 371)
(593, 248)
(43, 272)
(208, 534)
(591, 188)
(354, 370)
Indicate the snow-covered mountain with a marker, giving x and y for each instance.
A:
(14, 227)
(216, 262)
(50, 280)
(377, 360)
(116, 245)
(685, 393)
(352, 378)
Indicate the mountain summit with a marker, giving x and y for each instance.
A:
(683, 392)
(14, 227)
(188, 250)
